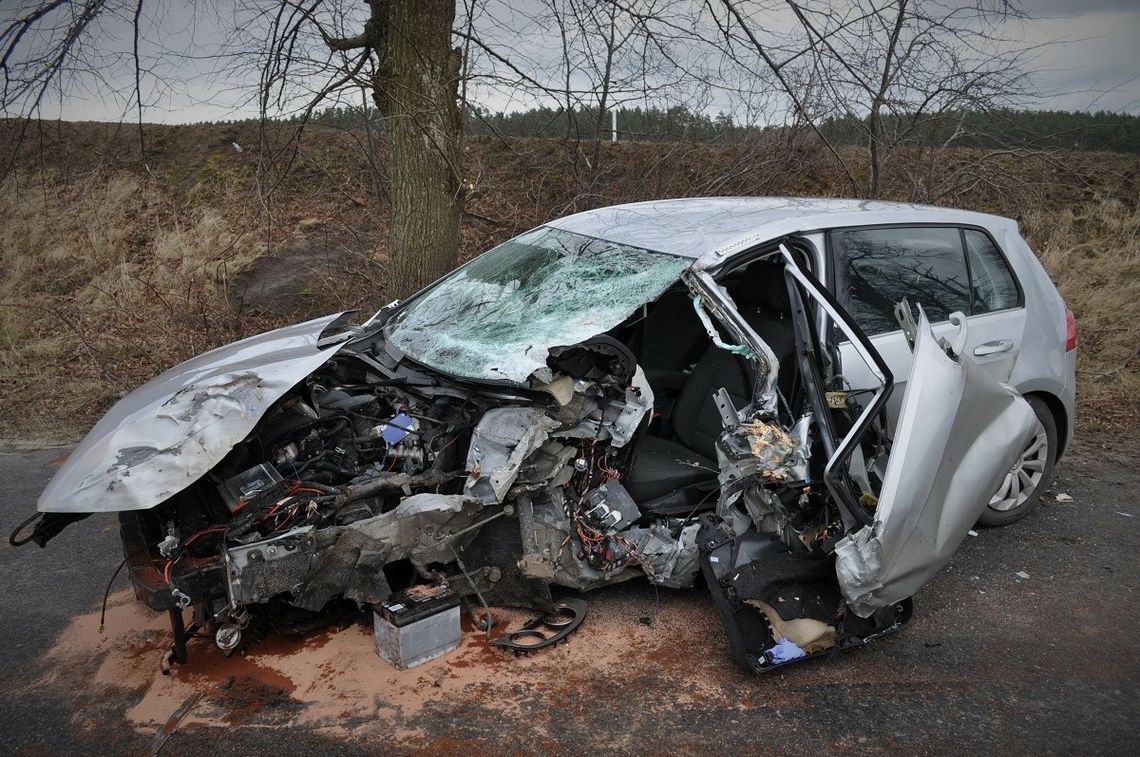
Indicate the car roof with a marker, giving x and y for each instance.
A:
(708, 229)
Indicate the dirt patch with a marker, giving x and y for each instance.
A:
(335, 683)
(309, 270)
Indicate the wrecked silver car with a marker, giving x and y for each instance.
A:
(651, 392)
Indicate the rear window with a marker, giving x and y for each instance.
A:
(924, 265)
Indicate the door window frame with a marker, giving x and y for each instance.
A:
(832, 273)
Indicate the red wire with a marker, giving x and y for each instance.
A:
(203, 532)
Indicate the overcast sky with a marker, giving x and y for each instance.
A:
(1096, 63)
(1087, 57)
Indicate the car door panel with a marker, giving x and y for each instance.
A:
(958, 432)
(984, 330)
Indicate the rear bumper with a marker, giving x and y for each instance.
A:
(1069, 400)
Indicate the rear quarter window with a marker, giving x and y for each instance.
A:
(992, 283)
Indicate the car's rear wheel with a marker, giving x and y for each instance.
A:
(1027, 480)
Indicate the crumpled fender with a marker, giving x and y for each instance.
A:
(165, 435)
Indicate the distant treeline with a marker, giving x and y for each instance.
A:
(1071, 130)
(1101, 131)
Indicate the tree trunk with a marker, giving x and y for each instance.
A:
(416, 89)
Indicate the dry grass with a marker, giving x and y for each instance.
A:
(1092, 253)
(114, 269)
(104, 285)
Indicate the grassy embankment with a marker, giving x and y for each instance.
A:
(113, 269)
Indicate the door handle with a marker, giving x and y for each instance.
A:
(993, 348)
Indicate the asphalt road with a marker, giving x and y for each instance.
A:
(992, 662)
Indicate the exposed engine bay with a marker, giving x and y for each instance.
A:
(369, 475)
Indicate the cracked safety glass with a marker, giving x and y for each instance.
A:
(497, 317)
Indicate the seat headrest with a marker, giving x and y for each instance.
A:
(761, 285)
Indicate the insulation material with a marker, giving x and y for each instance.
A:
(771, 452)
(809, 634)
(754, 455)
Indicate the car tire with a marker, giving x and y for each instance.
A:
(1023, 486)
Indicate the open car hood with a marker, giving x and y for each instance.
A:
(166, 434)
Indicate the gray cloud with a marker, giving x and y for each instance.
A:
(1089, 60)
(1086, 56)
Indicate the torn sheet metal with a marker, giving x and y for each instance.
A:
(710, 296)
(669, 555)
(425, 528)
(623, 417)
(352, 567)
(959, 431)
(166, 434)
(504, 437)
(753, 456)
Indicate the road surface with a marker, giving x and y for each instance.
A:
(993, 662)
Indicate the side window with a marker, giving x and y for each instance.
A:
(993, 284)
(923, 264)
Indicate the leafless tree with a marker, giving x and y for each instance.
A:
(891, 69)
(896, 72)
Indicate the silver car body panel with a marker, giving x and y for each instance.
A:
(1038, 361)
(165, 435)
(958, 433)
(709, 229)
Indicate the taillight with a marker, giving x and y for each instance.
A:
(1070, 331)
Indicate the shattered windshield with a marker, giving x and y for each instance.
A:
(497, 317)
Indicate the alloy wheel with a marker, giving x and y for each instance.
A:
(1025, 475)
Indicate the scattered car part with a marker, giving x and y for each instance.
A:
(547, 629)
(417, 625)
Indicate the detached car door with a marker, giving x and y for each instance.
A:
(943, 268)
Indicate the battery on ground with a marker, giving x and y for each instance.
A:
(415, 626)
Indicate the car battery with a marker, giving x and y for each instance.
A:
(417, 625)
